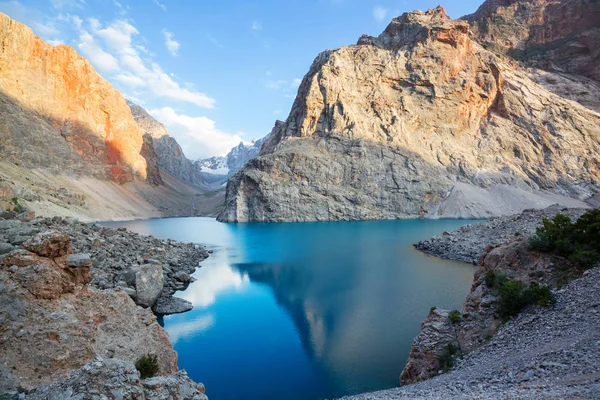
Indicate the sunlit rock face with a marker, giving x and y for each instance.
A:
(422, 121)
(558, 35)
(57, 112)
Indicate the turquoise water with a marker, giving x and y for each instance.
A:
(306, 311)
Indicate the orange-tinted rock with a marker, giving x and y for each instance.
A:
(76, 104)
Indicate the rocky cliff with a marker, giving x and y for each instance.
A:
(171, 158)
(423, 121)
(79, 122)
(562, 36)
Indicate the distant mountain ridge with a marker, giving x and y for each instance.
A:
(218, 169)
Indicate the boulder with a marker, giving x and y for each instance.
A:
(171, 305)
(51, 244)
(79, 260)
(26, 216)
(149, 281)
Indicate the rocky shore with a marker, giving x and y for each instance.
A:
(548, 352)
(78, 307)
(470, 242)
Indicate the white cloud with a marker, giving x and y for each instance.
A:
(67, 4)
(159, 4)
(215, 41)
(170, 42)
(198, 136)
(276, 84)
(102, 60)
(379, 13)
(256, 26)
(188, 329)
(111, 49)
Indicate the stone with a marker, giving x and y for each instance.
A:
(49, 244)
(171, 305)
(149, 282)
(6, 248)
(26, 216)
(423, 121)
(79, 260)
(182, 276)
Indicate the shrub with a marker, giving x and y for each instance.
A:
(512, 298)
(147, 366)
(579, 241)
(454, 316)
(447, 356)
(542, 295)
(494, 280)
(432, 309)
(17, 208)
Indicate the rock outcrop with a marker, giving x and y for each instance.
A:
(67, 293)
(421, 121)
(171, 159)
(118, 379)
(561, 36)
(74, 114)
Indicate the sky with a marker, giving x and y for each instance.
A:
(214, 72)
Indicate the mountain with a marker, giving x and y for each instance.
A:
(218, 169)
(424, 121)
(69, 144)
(171, 159)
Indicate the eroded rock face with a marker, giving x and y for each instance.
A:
(558, 35)
(420, 121)
(52, 323)
(58, 113)
(170, 157)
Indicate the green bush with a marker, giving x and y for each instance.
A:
(542, 295)
(454, 316)
(447, 356)
(432, 309)
(579, 241)
(512, 298)
(494, 280)
(147, 366)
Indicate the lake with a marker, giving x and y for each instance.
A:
(301, 311)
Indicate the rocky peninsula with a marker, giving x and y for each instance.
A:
(78, 306)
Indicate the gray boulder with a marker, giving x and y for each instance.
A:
(171, 305)
(79, 260)
(149, 281)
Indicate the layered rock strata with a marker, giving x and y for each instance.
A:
(421, 121)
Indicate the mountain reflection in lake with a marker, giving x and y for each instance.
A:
(306, 311)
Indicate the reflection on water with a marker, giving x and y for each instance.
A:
(306, 311)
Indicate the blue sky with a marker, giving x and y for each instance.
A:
(215, 72)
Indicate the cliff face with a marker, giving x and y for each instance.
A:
(557, 35)
(421, 121)
(169, 154)
(58, 113)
